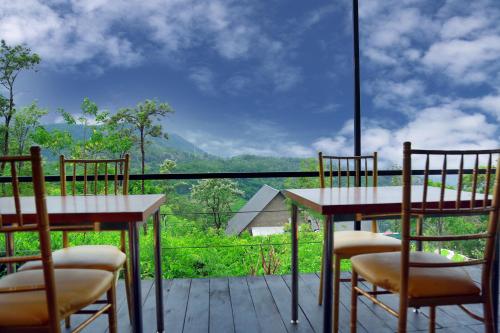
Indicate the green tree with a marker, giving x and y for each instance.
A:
(216, 197)
(92, 120)
(26, 121)
(55, 141)
(142, 118)
(13, 60)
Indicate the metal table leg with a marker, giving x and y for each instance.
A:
(495, 285)
(295, 266)
(328, 277)
(158, 272)
(133, 239)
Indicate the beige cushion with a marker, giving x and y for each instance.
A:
(75, 289)
(384, 270)
(351, 243)
(105, 257)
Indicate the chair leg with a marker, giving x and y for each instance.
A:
(354, 301)
(67, 322)
(488, 314)
(126, 274)
(403, 313)
(111, 296)
(432, 319)
(320, 291)
(336, 290)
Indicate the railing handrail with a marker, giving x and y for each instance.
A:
(240, 175)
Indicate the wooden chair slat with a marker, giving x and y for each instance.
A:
(474, 180)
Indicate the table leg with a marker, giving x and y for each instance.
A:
(133, 239)
(158, 272)
(495, 285)
(295, 266)
(328, 277)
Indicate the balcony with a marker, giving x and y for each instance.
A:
(253, 301)
(262, 304)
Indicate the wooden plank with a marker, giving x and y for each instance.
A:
(476, 328)
(308, 302)
(415, 321)
(310, 282)
(282, 298)
(149, 307)
(198, 307)
(221, 312)
(101, 323)
(268, 316)
(123, 317)
(465, 329)
(177, 294)
(366, 317)
(244, 315)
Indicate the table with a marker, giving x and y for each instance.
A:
(342, 204)
(112, 212)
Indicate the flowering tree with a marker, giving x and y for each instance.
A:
(216, 196)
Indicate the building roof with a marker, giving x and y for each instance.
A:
(251, 210)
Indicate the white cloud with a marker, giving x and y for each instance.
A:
(103, 33)
(256, 145)
(466, 61)
(458, 27)
(203, 77)
(73, 38)
(441, 127)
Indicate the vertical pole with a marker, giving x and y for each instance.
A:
(357, 96)
(495, 284)
(328, 277)
(158, 271)
(295, 266)
(133, 234)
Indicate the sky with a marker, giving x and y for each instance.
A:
(273, 77)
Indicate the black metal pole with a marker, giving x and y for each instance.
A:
(158, 272)
(133, 235)
(328, 277)
(357, 96)
(295, 265)
(495, 286)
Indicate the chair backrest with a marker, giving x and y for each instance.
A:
(41, 225)
(89, 171)
(478, 204)
(335, 171)
(338, 169)
(115, 171)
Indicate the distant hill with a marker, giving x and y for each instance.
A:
(190, 158)
(174, 143)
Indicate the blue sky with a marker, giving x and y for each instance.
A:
(273, 77)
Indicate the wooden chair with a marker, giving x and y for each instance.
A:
(105, 257)
(429, 279)
(350, 243)
(37, 300)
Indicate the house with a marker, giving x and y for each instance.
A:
(265, 213)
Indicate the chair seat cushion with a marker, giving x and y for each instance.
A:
(351, 243)
(75, 289)
(384, 270)
(105, 257)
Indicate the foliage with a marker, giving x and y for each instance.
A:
(13, 60)
(26, 122)
(142, 119)
(101, 137)
(216, 196)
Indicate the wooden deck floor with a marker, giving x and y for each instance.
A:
(262, 304)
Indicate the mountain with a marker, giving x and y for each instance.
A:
(174, 143)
